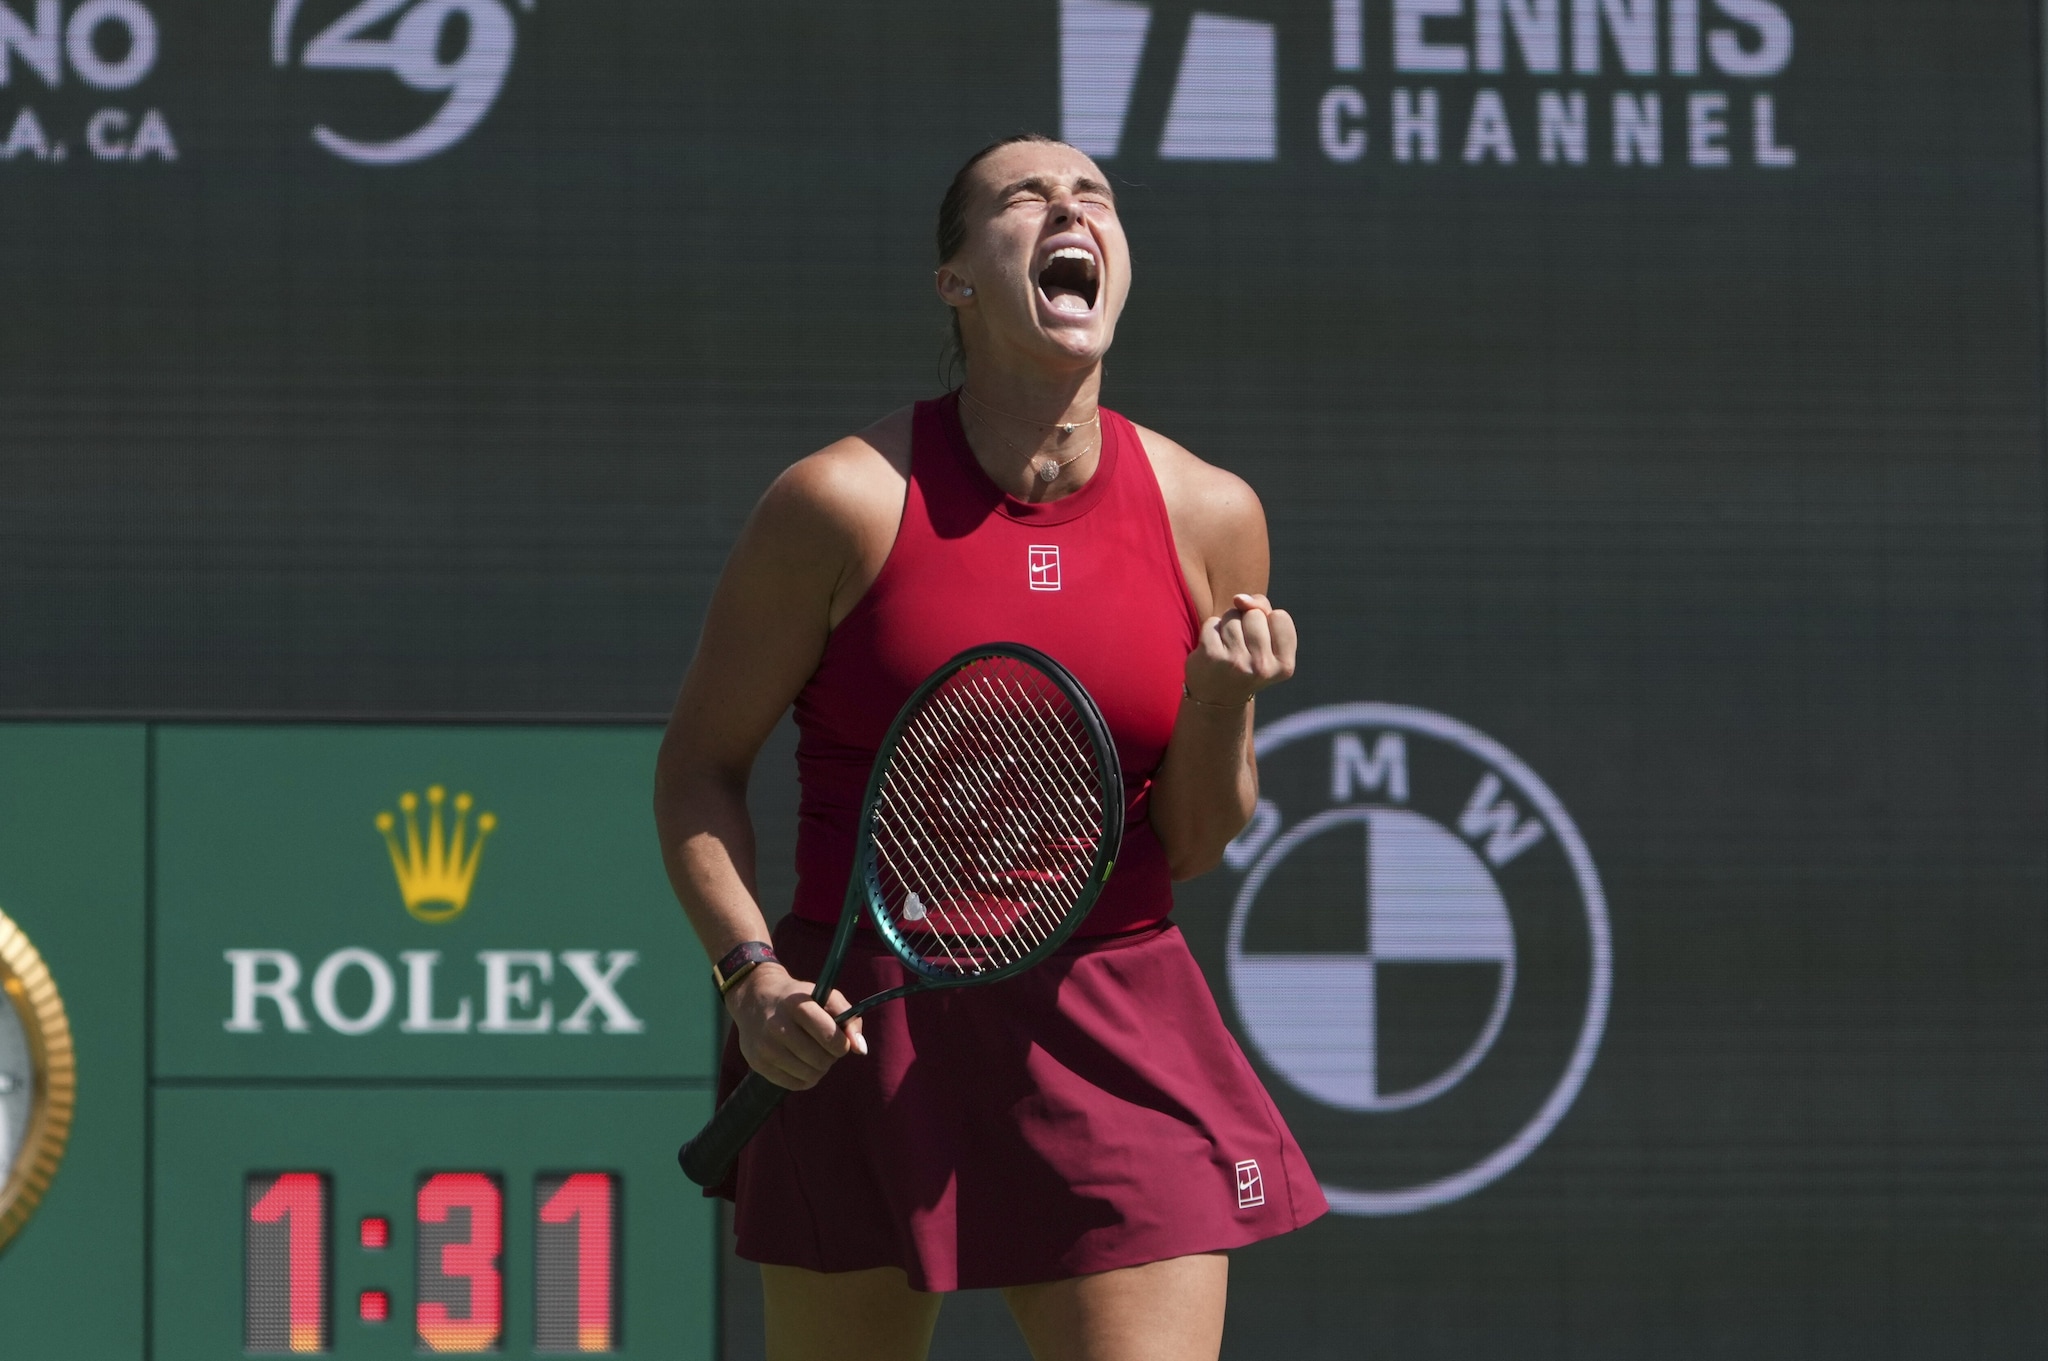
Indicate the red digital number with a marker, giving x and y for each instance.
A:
(299, 1200)
(583, 1199)
(472, 1260)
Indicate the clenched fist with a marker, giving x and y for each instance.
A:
(1241, 652)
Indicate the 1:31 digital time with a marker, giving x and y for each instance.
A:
(458, 1220)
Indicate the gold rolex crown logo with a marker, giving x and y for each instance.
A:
(434, 875)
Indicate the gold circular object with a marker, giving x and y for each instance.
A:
(36, 1104)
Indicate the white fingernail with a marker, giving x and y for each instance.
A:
(860, 1042)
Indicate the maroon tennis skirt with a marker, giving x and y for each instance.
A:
(1090, 1114)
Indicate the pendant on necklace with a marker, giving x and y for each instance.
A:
(1048, 472)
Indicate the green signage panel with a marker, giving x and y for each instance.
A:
(72, 884)
(418, 902)
(387, 1223)
(345, 1040)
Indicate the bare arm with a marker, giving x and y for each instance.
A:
(1208, 783)
(799, 563)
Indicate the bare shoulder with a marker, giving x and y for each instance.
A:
(1204, 496)
(1219, 526)
(848, 485)
(831, 517)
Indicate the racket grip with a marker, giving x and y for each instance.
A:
(708, 1157)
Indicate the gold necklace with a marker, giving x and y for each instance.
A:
(1048, 471)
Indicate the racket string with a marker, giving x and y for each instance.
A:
(938, 871)
(960, 896)
(1072, 773)
(930, 943)
(1070, 788)
(1050, 834)
(934, 818)
(914, 853)
(912, 863)
(1073, 745)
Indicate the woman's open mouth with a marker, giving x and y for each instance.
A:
(1068, 282)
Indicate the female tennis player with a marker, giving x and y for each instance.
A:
(1086, 1136)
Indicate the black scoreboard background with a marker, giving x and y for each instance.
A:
(1712, 492)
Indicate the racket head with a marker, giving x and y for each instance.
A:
(993, 817)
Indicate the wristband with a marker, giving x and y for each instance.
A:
(740, 961)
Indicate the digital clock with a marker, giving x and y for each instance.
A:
(459, 1233)
(38, 1079)
(404, 1222)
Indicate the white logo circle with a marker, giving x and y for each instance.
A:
(1435, 833)
(1429, 899)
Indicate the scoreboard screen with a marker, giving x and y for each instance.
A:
(386, 1039)
(458, 1226)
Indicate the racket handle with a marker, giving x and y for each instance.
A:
(708, 1157)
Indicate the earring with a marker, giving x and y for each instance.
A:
(966, 292)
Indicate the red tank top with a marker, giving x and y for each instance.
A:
(1091, 579)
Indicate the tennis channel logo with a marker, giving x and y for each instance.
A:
(1418, 949)
(1485, 83)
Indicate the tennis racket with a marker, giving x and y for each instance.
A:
(991, 822)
